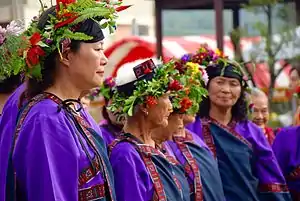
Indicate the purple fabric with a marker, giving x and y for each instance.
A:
(132, 181)
(48, 156)
(287, 150)
(266, 167)
(7, 126)
(109, 132)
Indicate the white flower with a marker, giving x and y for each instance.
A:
(205, 76)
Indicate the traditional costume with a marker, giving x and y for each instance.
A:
(143, 172)
(286, 149)
(247, 165)
(57, 152)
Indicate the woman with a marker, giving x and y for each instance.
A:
(112, 124)
(247, 165)
(200, 167)
(286, 149)
(142, 172)
(58, 152)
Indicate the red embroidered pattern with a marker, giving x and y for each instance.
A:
(208, 139)
(146, 153)
(92, 193)
(87, 174)
(275, 188)
(294, 175)
(191, 165)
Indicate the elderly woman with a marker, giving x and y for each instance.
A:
(58, 152)
(259, 110)
(247, 165)
(142, 172)
(286, 148)
(200, 167)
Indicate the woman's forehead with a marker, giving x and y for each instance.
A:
(225, 78)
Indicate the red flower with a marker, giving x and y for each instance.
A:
(175, 85)
(33, 55)
(66, 22)
(147, 70)
(121, 8)
(185, 104)
(150, 101)
(35, 38)
(179, 66)
(298, 90)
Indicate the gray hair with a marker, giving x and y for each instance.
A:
(256, 92)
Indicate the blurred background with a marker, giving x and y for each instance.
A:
(263, 34)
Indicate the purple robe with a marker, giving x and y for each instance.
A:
(7, 126)
(244, 153)
(49, 156)
(287, 150)
(109, 131)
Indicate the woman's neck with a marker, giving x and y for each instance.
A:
(222, 115)
(140, 129)
(3, 99)
(179, 133)
(65, 90)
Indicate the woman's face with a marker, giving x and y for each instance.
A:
(224, 92)
(188, 119)
(175, 123)
(86, 66)
(158, 114)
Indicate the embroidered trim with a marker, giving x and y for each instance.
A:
(274, 188)
(191, 166)
(88, 174)
(85, 126)
(145, 152)
(294, 175)
(92, 193)
(230, 129)
(208, 138)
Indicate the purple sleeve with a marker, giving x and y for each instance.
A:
(132, 181)
(46, 160)
(266, 165)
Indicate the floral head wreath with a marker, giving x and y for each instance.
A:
(10, 42)
(38, 44)
(151, 82)
(188, 86)
(106, 89)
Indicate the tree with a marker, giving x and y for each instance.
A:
(273, 46)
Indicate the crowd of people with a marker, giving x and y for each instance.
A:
(189, 129)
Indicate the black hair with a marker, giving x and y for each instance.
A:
(8, 85)
(34, 85)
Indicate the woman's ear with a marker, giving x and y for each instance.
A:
(66, 55)
(144, 109)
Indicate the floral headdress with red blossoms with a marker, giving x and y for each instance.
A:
(142, 84)
(10, 42)
(38, 44)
